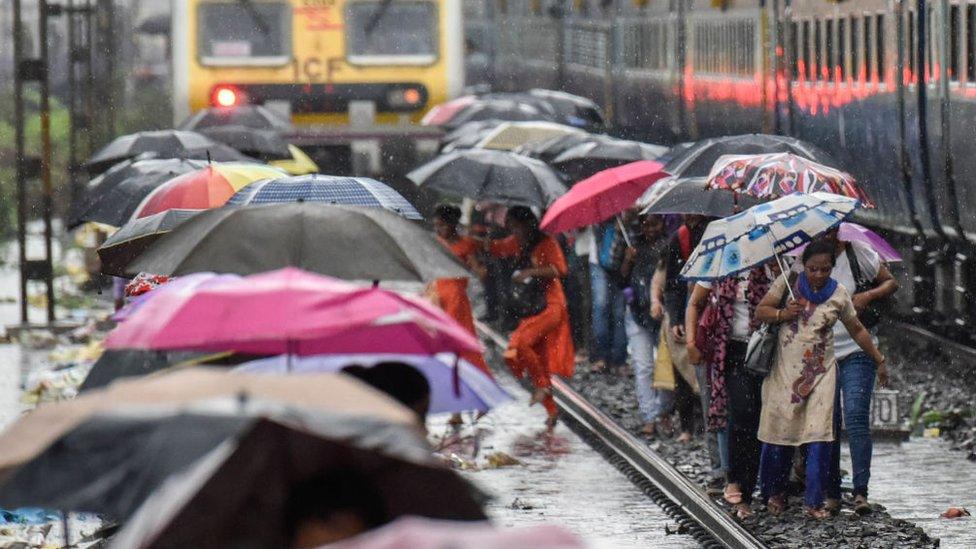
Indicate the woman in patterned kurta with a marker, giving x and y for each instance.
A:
(541, 345)
(798, 394)
(452, 293)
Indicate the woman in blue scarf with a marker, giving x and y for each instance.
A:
(798, 394)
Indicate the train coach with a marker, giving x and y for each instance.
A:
(887, 87)
(350, 74)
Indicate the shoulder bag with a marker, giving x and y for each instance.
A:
(764, 342)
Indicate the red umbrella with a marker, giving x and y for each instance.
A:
(602, 196)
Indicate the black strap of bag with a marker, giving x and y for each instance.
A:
(870, 316)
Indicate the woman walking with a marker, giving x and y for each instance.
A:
(643, 330)
(719, 342)
(541, 345)
(798, 395)
(452, 293)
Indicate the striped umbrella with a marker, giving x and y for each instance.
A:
(351, 191)
(779, 174)
(203, 189)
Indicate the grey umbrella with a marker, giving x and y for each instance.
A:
(136, 236)
(696, 160)
(163, 143)
(586, 159)
(348, 242)
(259, 143)
(691, 196)
(252, 116)
(494, 176)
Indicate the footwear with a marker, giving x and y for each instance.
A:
(551, 422)
(776, 505)
(685, 437)
(743, 510)
(832, 505)
(861, 505)
(665, 427)
(538, 396)
(819, 513)
(732, 493)
(648, 429)
(598, 366)
(455, 421)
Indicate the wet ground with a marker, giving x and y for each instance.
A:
(915, 481)
(559, 479)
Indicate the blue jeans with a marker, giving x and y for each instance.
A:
(855, 385)
(774, 471)
(642, 343)
(609, 309)
(716, 442)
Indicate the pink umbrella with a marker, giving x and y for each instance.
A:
(175, 284)
(443, 113)
(852, 232)
(424, 533)
(294, 312)
(601, 196)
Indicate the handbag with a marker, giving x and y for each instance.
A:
(764, 342)
(527, 298)
(872, 314)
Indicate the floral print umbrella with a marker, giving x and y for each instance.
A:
(779, 174)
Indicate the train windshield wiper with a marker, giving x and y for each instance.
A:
(256, 16)
(374, 18)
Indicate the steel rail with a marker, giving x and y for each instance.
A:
(681, 498)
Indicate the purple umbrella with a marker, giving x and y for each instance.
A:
(852, 232)
(476, 391)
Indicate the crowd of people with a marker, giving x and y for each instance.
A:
(685, 343)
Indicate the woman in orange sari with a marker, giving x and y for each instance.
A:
(541, 345)
(452, 293)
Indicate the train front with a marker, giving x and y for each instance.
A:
(354, 76)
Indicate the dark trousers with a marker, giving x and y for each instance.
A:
(744, 391)
(685, 402)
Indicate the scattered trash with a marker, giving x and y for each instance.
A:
(501, 459)
(520, 504)
(462, 463)
(932, 432)
(955, 512)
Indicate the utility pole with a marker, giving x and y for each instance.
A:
(21, 69)
(47, 186)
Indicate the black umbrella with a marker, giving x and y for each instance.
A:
(263, 144)
(494, 176)
(468, 129)
(163, 143)
(348, 242)
(547, 150)
(577, 110)
(119, 363)
(510, 110)
(697, 160)
(586, 159)
(112, 197)
(136, 236)
(218, 152)
(690, 196)
(251, 116)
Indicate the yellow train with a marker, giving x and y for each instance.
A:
(313, 58)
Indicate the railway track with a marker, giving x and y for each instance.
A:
(681, 498)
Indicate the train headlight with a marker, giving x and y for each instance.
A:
(406, 97)
(227, 96)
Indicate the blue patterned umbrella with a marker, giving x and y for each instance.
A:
(352, 191)
(753, 237)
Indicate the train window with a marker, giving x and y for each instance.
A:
(868, 43)
(879, 37)
(856, 52)
(377, 31)
(829, 59)
(842, 49)
(817, 49)
(971, 43)
(806, 54)
(953, 56)
(793, 55)
(910, 46)
(239, 34)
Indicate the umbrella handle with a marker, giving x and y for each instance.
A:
(785, 276)
(623, 231)
(456, 376)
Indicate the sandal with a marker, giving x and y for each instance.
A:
(539, 395)
(551, 422)
(598, 366)
(861, 505)
(832, 505)
(776, 505)
(743, 511)
(818, 514)
(648, 429)
(732, 494)
(685, 437)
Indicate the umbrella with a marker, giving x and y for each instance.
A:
(601, 197)
(467, 388)
(691, 196)
(251, 116)
(577, 110)
(697, 160)
(492, 176)
(164, 143)
(34, 432)
(218, 152)
(779, 174)
(352, 191)
(513, 110)
(206, 188)
(299, 163)
(471, 132)
(179, 284)
(735, 244)
(136, 236)
(443, 113)
(508, 136)
(602, 153)
(342, 241)
(242, 494)
(122, 363)
(421, 533)
(290, 311)
(112, 197)
(852, 232)
(263, 144)
(548, 150)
